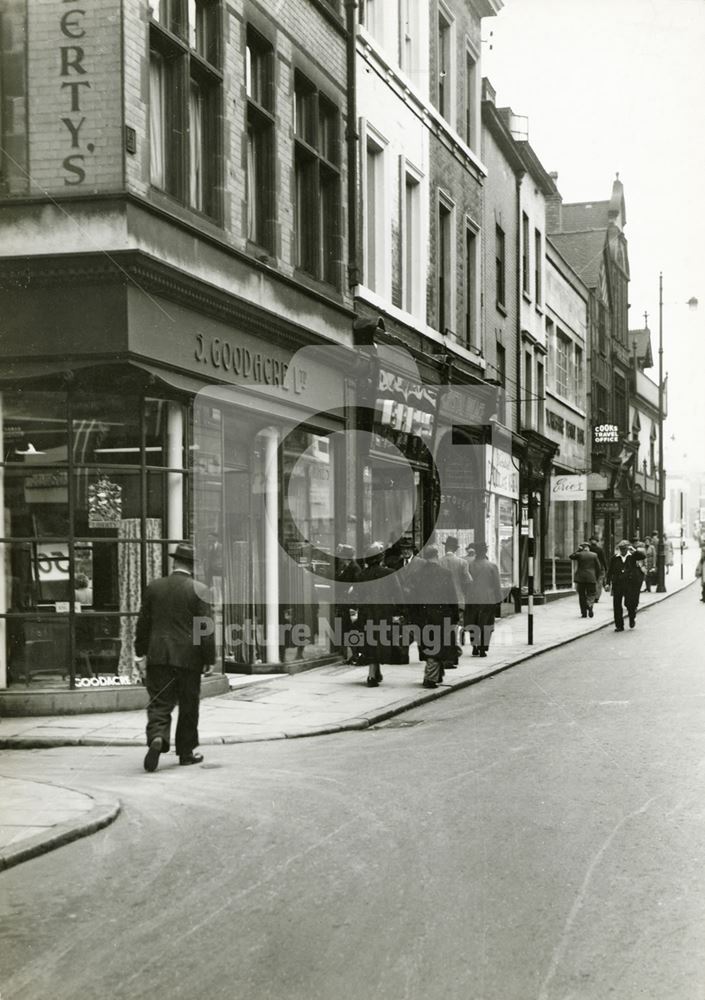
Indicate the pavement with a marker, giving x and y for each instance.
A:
(36, 816)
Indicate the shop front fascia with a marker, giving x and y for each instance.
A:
(503, 515)
(534, 480)
(108, 462)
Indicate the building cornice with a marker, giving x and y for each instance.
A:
(146, 274)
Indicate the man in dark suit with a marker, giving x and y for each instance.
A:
(587, 573)
(175, 633)
(600, 553)
(625, 576)
(462, 580)
(435, 610)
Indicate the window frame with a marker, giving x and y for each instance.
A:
(260, 140)
(445, 63)
(445, 256)
(317, 171)
(184, 67)
(471, 289)
(525, 256)
(500, 267)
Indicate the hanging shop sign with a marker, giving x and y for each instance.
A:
(606, 434)
(404, 413)
(502, 473)
(104, 504)
(567, 488)
(606, 508)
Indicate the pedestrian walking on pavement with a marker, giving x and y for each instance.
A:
(435, 611)
(462, 579)
(484, 596)
(175, 632)
(346, 573)
(667, 552)
(380, 608)
(587, 572)
(600, 553)
(625, 576)
(700, 573)
(650, 572)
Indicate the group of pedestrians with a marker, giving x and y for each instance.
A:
(430, 598)
(632, 566)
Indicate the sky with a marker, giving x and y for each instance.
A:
(618, 86)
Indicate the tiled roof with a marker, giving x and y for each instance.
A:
(642, 339)
(584, 215)
(583, 251)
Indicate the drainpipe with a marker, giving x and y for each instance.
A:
(351, 138)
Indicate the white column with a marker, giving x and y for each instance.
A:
(175, 459)
(3, 565)
(271, 542)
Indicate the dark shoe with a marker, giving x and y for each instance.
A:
(632, 623)
(619, 628)
(151, 758)
(451, 666)
(475, 651)
(590, 613)
(583, 614)
(483, 652)
(429, 684)
(372, 682)
(191, 758)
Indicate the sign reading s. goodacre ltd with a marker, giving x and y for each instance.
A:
(606, 434)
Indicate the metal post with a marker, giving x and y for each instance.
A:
(530, 574)
(660, 553)
(681, 519)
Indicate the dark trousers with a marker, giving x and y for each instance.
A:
(479, 618)
(630, 596)
(586, 596)
(168, 687)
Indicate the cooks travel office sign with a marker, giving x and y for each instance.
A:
(73, 67)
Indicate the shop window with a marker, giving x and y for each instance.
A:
(14, 178)
(85, 527)
(185, 102)
(307, 541)
(317, 183)
(259, 85)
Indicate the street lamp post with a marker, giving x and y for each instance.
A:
(660, 551)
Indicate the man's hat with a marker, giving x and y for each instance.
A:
(470, 548)
(376, 549)
(345, 551)
(183, 552)
(451, 542)
(625, 541)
